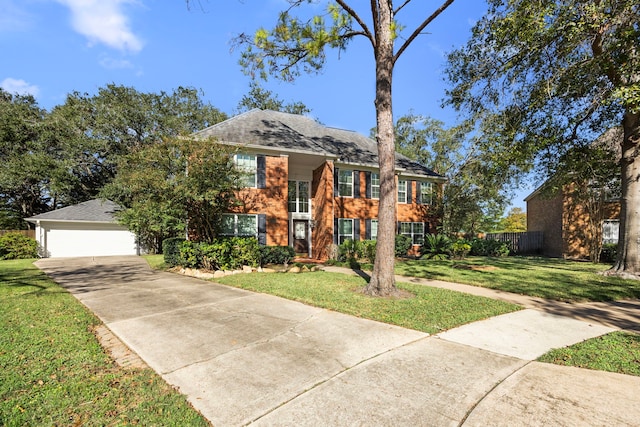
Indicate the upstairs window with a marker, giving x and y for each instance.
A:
(345, 183)
(426, 193)
(248, 165)
(402, 191)
(375, 185)
(299, 196)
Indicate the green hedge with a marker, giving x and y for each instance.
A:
(17, 246)
(276, 254)
(171, 251)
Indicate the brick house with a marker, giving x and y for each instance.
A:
(310, 186)
(564, 219)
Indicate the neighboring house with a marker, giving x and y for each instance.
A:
(85, 229)
(565, 220)
(310, 186)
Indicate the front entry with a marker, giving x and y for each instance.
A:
(301, 236)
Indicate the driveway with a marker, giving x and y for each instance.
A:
(243, 358)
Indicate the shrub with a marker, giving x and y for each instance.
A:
(171, 251)
(190, 254)
(17, 246)
(349, 249)
(368, 250)
(221, 254)
(436, 246)
(609, 253)
(276, 255)
(403, 244)
(460, 249)
(489, 247)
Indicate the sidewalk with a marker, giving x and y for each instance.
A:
(246, 358)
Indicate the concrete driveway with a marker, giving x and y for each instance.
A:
(244, 358)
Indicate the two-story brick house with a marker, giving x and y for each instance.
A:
(310, 186)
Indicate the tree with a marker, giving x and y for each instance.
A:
(296, 46)
(474, 196)
(514, 222)
(174, 184)
(26, 160)
(263, 99)
(551, 74)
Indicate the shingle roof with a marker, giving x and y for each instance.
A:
(302, 134)
(91, 211)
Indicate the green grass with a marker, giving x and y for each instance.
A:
(155, 261)
(540, 277)
(615, 352)
(53, 371)
(430, 310)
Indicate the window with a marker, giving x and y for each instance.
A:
(415, 230)
(375, 185)
(426, 193)
(345, 183)
(374, 229)
(610, 231)
(345, 230)
(298, 196)
(402, 191)
(239, 225)
(248, 165)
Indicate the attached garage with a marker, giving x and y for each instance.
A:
(86, 229)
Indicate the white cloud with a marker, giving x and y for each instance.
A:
(13, 17)
(19, 86)
(103, 21)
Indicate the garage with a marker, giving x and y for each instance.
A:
(85, 229)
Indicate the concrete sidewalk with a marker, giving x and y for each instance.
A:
(244, 358)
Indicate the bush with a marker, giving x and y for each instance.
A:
(436, 246)
(17, 246)
(609, 253)
(221, 254)
(403, 244)
(489, 247)
(171, 251)
(276, 255)
(368, 250)
(460, 249)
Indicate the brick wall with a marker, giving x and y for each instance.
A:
(544, 213)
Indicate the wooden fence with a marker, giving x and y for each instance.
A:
(28, 233)
(529, 242)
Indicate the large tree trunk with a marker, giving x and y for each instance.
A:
(383, 279)
(628, 263)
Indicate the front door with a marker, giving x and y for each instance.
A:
(301, 236)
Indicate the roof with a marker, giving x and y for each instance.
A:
(92, 211)
(297, 133)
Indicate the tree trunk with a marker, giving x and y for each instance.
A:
(628, 262)
(383, 279)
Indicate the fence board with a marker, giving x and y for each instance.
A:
(28, 233)
(529, 242)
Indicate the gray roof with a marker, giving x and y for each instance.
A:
(296, 133)
(92, 211)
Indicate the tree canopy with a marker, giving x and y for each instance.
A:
(264, 99)
(549, 75)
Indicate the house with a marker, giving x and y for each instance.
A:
(310, 186)
(85, 229)
(569, 224)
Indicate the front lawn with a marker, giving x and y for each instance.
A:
(539, 277)
(615, 352)
(430, 310)
(53, 371)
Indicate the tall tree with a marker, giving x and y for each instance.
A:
(162, 185)
(259, 97)
(551, 75)
(475, 195)
(25, 159)
(298, 45)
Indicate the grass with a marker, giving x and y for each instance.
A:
(155, 261)
(555, 279)
(54, 371)
(615, 352)
(430, 310)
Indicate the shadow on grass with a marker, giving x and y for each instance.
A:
(539, 277)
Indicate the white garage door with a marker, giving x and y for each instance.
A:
(78, 239)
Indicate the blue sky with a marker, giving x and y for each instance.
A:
(53, 47)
